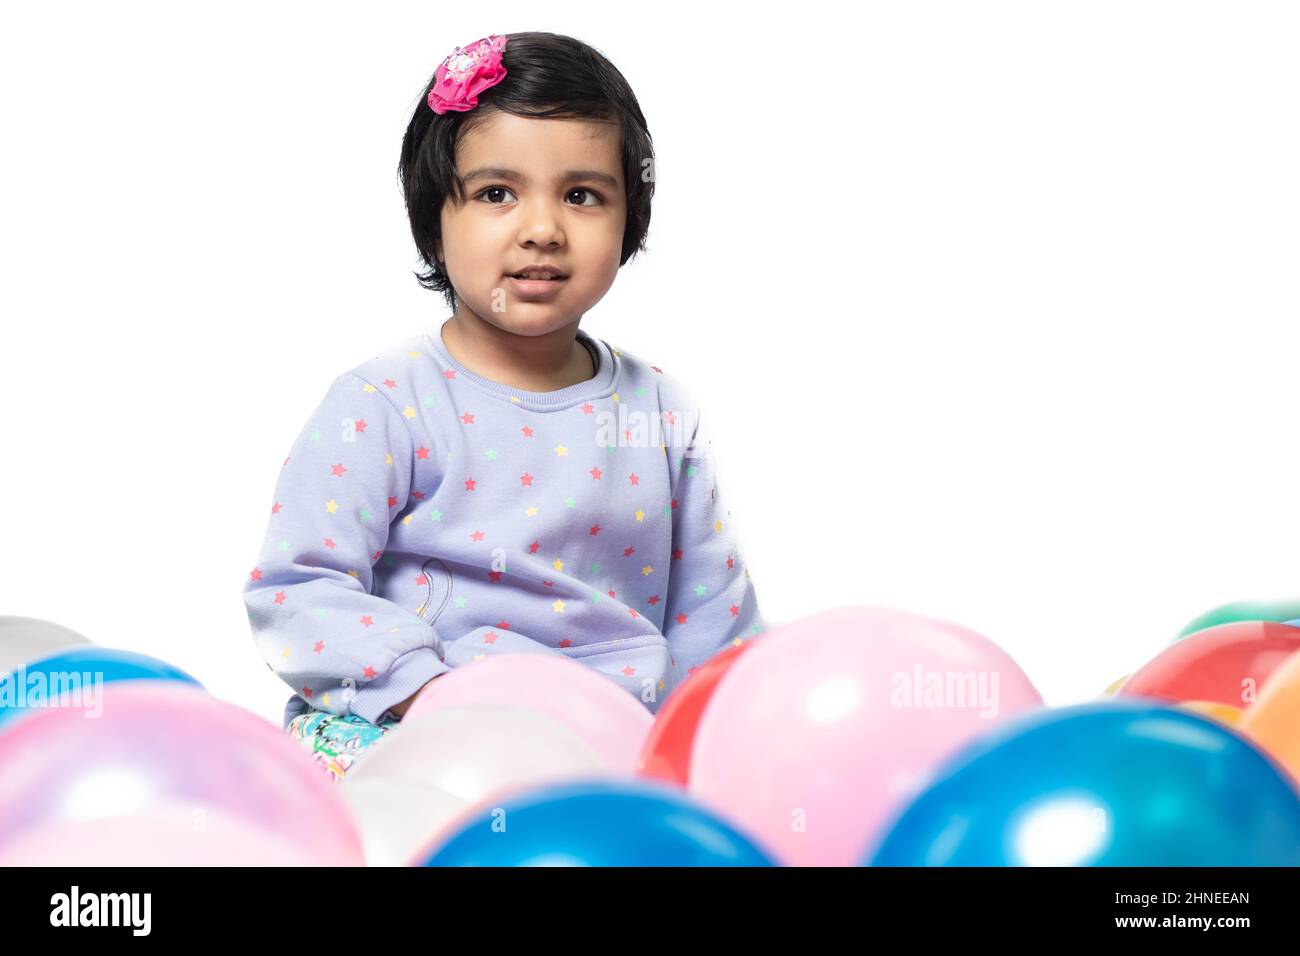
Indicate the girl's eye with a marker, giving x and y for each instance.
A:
(493, 189)
(587, 192)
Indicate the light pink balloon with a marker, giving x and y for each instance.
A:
(814, 740)
(168, 836)
(600, 711)
(155, 744)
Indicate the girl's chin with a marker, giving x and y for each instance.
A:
(529, 318)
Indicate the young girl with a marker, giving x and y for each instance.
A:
(504, 482)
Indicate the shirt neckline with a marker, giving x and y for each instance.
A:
(600, 385)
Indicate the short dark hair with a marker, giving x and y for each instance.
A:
(549, 75)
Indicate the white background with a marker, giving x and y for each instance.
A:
(993, 306)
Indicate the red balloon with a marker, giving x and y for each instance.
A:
(1227, 664)
(666, 753)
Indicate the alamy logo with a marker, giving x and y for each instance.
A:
(102, 909)
(946, 689)
(632, 429)
(23, 689)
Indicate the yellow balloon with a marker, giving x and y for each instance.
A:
(1271, 722)
(1110, 691)
(1224, 713)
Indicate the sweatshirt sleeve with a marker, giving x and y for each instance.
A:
(711, 602)
(314, 619)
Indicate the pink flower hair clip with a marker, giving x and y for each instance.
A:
(467, 72)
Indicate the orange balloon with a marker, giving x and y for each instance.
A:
(1273, 722)
(666, 753)
(1110, 691)
(1224, 713)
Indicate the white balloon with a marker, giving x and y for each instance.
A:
(475, 750)
(396, 819)
(26, 639)
(411, 785)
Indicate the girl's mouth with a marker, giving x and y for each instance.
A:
(538, 288)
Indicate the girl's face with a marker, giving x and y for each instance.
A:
(538, 190)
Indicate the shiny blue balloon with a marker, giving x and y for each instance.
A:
(32, 687)
(596, 822)
(1112, 783)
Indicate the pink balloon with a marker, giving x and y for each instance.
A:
(601, 712)
(168, 836)
(826, 728)
(163, 744)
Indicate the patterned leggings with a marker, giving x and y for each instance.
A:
(336, 742)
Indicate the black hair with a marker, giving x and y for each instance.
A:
(549, 75)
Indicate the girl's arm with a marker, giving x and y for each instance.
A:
(314, 619)
(711, 602)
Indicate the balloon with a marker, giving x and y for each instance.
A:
(666, 754)
(170, 835)
(397, 819)
(72, 678)
(1223, 713)
(455, 758)
(596, 823)
(1272, 723)
(477, 750)
(1114, 687)
(1276, 611)
(826, 724)
(24, 639)
(1116, 783)
(1226, 664)
(600, 711)
(156, 744)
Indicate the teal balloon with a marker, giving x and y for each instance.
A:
(615, 822)
(1113, 783)
(1279, 612)
(35, 685)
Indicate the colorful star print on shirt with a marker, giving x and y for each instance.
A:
(427, 517)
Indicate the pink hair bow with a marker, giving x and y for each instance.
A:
(467, 72)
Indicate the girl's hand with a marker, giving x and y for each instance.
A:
(399, 710)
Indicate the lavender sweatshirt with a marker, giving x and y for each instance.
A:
(427, 517)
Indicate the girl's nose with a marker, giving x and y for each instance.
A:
(541, 225)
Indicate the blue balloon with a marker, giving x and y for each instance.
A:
(37, 684)
(1112, 783)
(614, 822)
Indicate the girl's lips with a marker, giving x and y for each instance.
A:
(535, 288)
